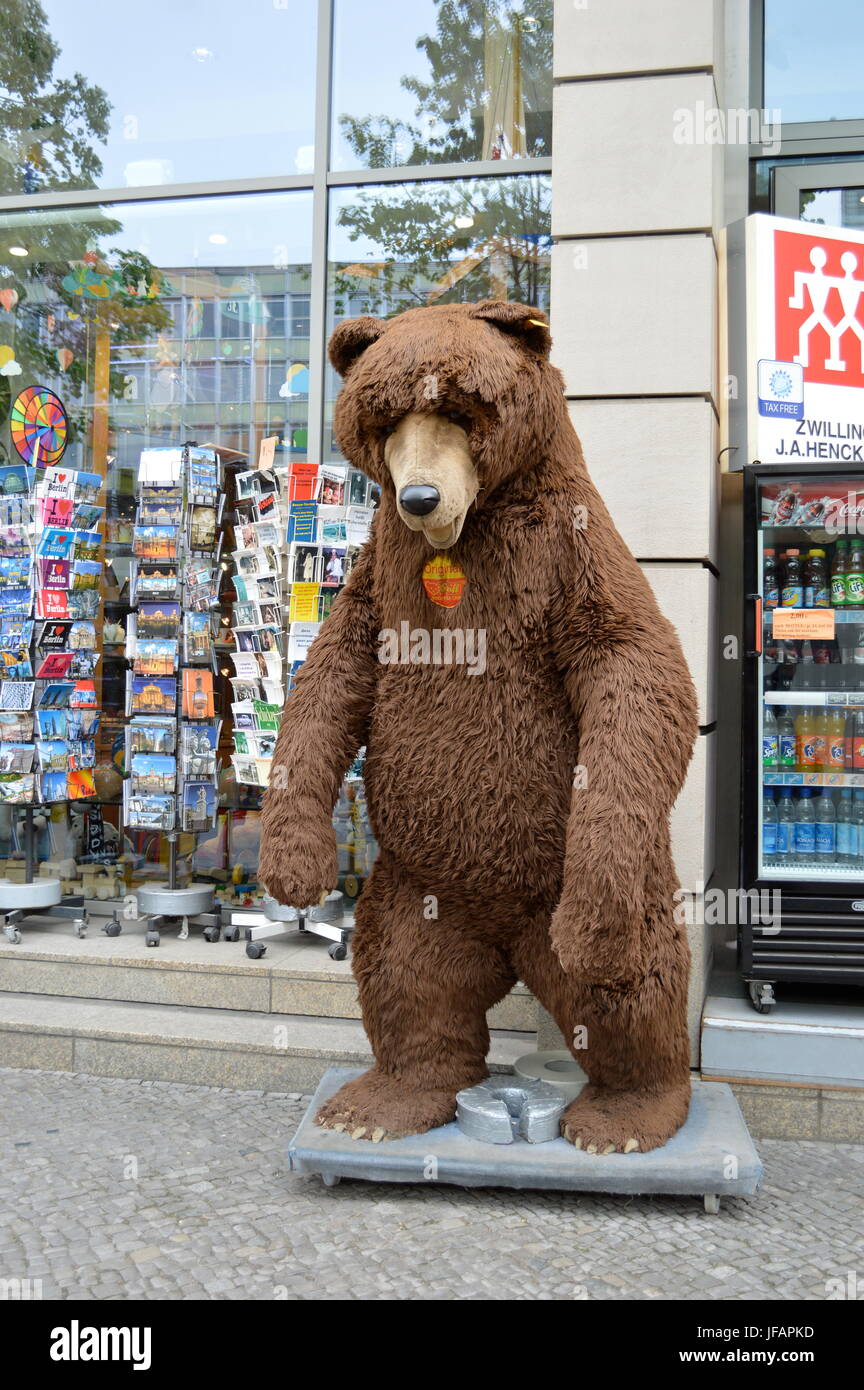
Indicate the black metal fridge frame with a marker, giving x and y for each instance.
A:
(821, 936)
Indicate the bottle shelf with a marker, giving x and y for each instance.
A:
(790, 778)
(847, 699)
(787, 866)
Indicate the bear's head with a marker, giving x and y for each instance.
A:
(443, 405)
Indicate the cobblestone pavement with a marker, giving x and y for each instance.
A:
(130, 1189)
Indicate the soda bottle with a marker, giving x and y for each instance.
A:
(822, 663)
(792, 593)
(770, 580)
(855, 576)
(786, 740)
(805, 827)
(849, 749)
(847, 829)
(769, 826)
(858, 742)
(789, 667)
(817, 588)
(785, 825)
(805, 675)
(856, 666)
(838, 574)
(805, 741)
(821, 737)
(772, 658)
(856, 849)
(826, 827)
(835, 759)
(770, 743)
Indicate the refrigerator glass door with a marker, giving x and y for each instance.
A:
(810, 574)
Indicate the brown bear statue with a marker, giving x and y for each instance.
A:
(528, 720)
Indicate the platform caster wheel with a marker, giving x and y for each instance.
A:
(712, 1203)
(13, 936)
(762, 996)
(152, 938)
(232, 933)
(80, 928)
(211, 933)
(184, 929)
(112, 928)
(255, 950)
(338, 951)
(330, 1179)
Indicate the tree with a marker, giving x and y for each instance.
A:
(464, 239)
(47, 123)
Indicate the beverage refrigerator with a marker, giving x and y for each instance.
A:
(802, 842)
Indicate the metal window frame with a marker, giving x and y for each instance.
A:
(796, 137)
(318, 182)
(790, 180)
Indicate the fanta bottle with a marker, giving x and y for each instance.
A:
(835, 760)
(822, 737)
(805, 740)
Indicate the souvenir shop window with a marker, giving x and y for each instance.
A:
(458, 82)
(400, 246)
(154, 110)
(95, 323)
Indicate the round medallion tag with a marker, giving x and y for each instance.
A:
(443, 581)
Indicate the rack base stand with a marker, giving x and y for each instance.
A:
(711, 1156)
(274, 919)
(171, 907)
(42, 897)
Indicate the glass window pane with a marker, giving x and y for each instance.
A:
(175, 96)
(151, 321)
(400, 246)
(813, 60)
(832, 207)
(440, 81)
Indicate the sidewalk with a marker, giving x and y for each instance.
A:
(152, 1190)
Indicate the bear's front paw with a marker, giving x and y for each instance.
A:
(299, 864)
(598, 949)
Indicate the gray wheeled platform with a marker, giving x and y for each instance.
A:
(711, 1156)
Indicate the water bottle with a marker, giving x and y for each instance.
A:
(785, 826)
(847, 831)
(805, 828)
(770, 741)
(769, 828)
(857, 847)
(826, 828)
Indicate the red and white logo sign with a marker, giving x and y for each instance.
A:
(819, 306)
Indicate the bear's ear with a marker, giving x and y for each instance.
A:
(518, 320)
(350, 338)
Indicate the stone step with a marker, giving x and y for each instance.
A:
(237, 1048)
(296, 976)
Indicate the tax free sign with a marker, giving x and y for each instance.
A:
(805, 336)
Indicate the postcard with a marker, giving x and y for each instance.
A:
(17, 788)
(158, 619)
(198, 696)
(155, 656)
(153, 772)
(83, 695)
(152, 694)
(81, 784)
(15, 695)
(150, 812)
(199, 805)
(16, 726)
(155, 542)
(16, 757)
(51, 723)
(53, 786)
(54, 664)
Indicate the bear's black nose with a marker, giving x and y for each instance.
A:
(420, 499)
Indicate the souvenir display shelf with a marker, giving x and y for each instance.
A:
(172, 737)
(50, 601)
(298, 532)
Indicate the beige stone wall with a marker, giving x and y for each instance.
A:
(636, 220)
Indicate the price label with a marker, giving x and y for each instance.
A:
(803, 623)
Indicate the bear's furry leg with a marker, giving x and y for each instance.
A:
(632, 1043)
(425, 986)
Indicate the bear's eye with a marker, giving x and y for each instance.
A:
(386, 429)
(462, 421)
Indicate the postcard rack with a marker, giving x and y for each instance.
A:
(298, 532)
(172, 734)
(50, 598)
